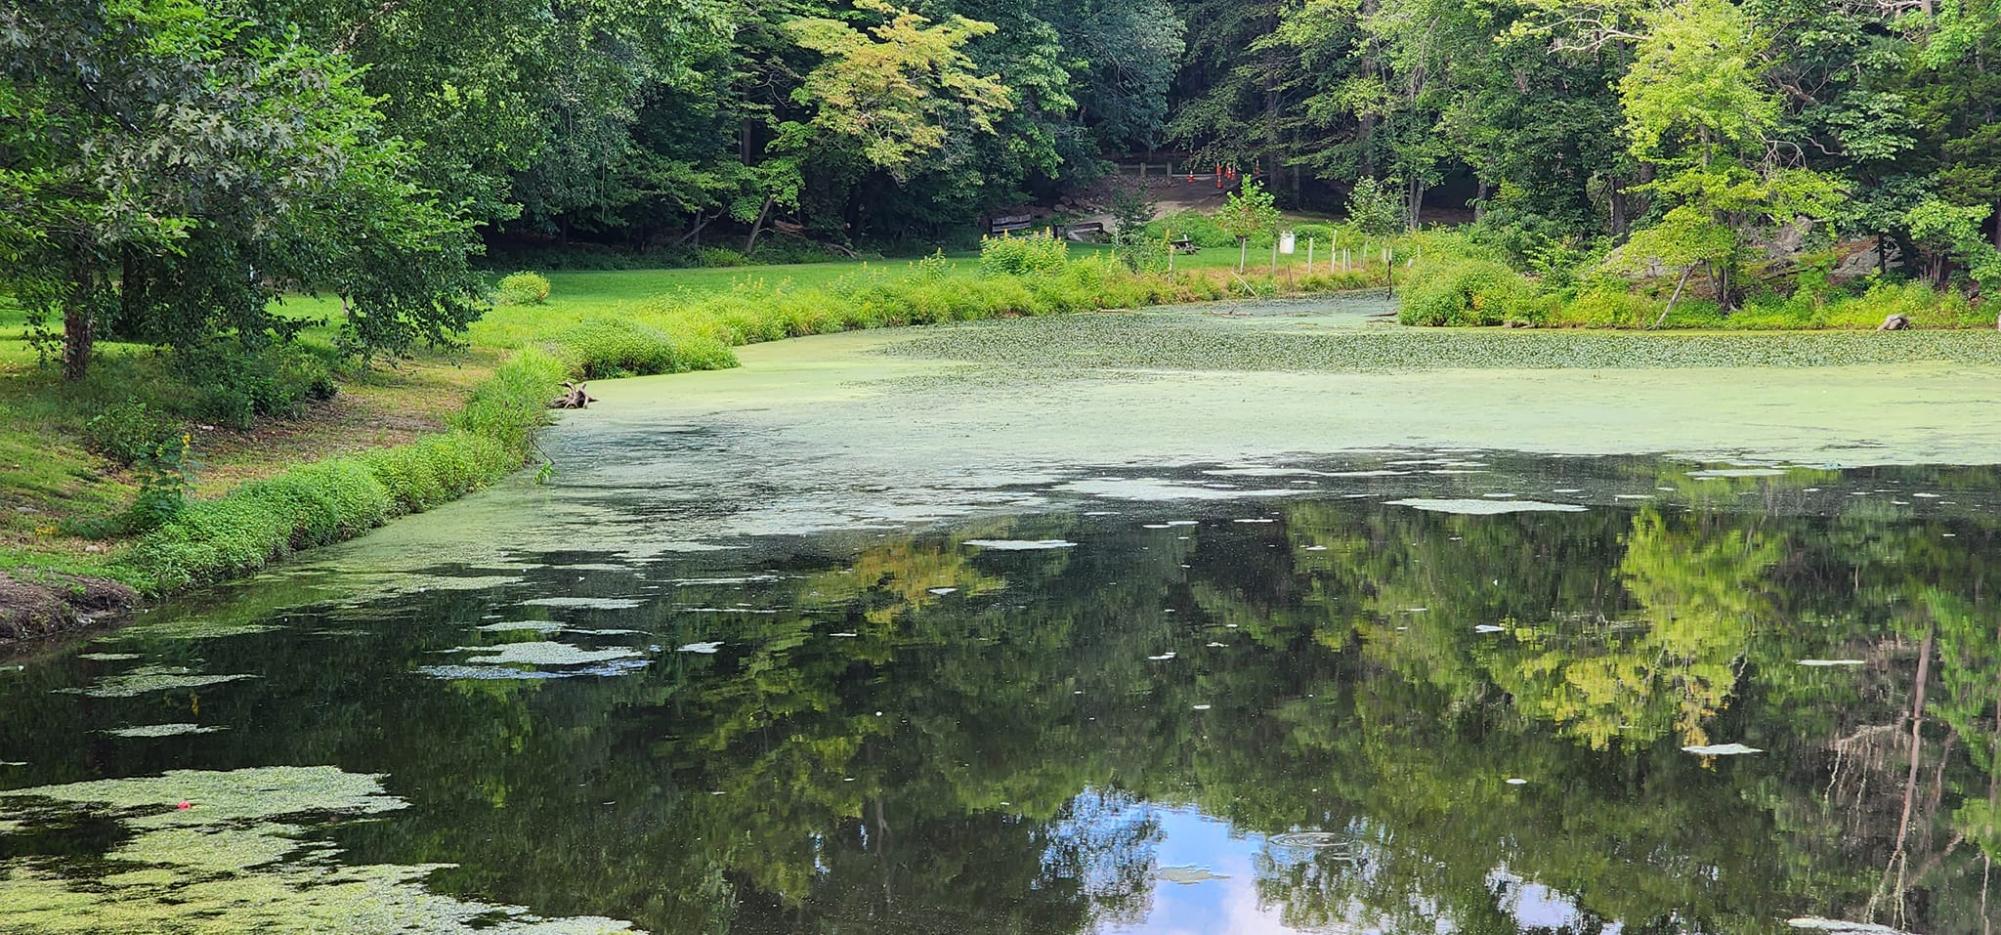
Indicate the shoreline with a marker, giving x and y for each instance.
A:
(267, 521)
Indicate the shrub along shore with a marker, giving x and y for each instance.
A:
(337, 498)
(1460, 279)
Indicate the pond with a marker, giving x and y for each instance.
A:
(1057, 678)
(1559, 695)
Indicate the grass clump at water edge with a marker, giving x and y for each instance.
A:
(338, 498)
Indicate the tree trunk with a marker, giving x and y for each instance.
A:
(1677, 295)
(131, 291)
(758, 227)
(1719, 277)
(1413, 204)
(695, 233)
(78, 327)
(1616, 205)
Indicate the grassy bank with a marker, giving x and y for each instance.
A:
(1454, 280)
(402, 438)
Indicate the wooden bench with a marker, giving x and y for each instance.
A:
(1010, 224)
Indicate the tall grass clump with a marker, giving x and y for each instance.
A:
(522, 289)
(339, 498)
(1020, 255)
(601, 348)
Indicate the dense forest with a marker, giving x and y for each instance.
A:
(168, 167)
(642, 123)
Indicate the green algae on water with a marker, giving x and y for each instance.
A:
(190, 628)
(590, 603)
(1486, 507)
(544, 654)
(227, 864)
(160, 730)
(146, 679)
(509, 626)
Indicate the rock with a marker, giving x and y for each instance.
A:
(1787, 242)
(40, 603)
(1895, 323)
(1859, 258)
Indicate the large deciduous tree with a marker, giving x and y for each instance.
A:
(1696, 108)
(177, 170)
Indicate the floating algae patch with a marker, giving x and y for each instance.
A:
(1311, 840)
(231, 862)
(591, 603)
(1484, 507)
(511, 626)
(108, 657)
(1187, 876)
(161, 730)
(1186, 343)
(190, 628)
(1265, 472)
(1740, 472)
(1721, 749)
(1148, 488)
(1021, 545)
(149, 679)
(544, 654)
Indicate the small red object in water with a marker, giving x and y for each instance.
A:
(185, 805)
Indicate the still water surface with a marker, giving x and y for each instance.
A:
(1394, 692)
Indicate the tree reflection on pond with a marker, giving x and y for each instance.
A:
(1376, 717)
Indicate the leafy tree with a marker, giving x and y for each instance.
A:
(1248, 211)
(895, 90)
(187, 168)
(1374, 208)
(1951, 233)
(1695, 108)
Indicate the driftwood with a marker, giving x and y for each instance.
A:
(1894, 323)
(574, 397)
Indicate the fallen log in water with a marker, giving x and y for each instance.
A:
(574, 397)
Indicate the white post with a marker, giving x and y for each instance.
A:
(1309, 255)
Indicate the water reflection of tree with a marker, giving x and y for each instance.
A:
(759, 790)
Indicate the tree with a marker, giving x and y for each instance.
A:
(1949, 233)
(1695, 108)
(188, 168)
(894, 91)
(1249, 211)
(1373, 207)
